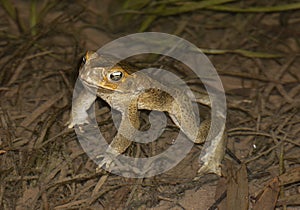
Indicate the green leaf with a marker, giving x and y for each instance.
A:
(279, 8)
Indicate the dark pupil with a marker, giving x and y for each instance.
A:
(116, 76)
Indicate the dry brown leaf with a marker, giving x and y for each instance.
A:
(289, 177)
(289, 200)
(237, 188)
(268, 198)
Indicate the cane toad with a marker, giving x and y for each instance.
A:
(131, 92)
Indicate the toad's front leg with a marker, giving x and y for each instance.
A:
(80, 105)
(128, 127)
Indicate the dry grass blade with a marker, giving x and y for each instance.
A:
(31, 194)
(246, 53)
(72, 205)
(9, 8)
(97, 188)
(289, 200)
(51, 101)
(12, 11)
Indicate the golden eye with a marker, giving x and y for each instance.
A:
(115, 76)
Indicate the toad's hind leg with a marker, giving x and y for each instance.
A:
(183, 116)
(200, 133)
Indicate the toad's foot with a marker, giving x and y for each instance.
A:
(108, 159)
(213, 156)
(78, 119)
(211, 166)
(106, 162)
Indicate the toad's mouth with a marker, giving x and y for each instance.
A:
(97, 88)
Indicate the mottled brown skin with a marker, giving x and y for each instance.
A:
(129, 93)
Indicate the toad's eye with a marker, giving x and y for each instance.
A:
(115, 76)
(86, 57)
(84, 60)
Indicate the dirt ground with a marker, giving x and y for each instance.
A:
(254, 46)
